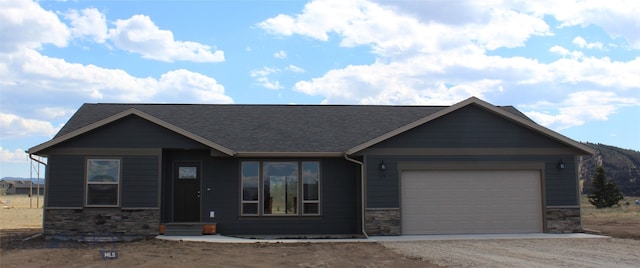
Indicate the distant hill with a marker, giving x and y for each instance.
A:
(34, 180)
(620, 165)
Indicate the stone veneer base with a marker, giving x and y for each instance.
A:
(563, 220)
(382, 221)
(386, 221)
(101, 224)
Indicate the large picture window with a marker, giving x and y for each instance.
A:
(273, 188)
(103, 180)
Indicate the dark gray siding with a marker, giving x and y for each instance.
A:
(65, 181)
(221, 193)
(140, 173)
(130, 132)
(560, 188)
(469, 127)
(140, 179)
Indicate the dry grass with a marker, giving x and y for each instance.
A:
(622, 212)
(18, 211)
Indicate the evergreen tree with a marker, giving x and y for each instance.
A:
(604, 194)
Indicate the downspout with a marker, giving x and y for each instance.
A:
(362, 192)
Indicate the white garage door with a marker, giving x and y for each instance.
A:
(471, 202)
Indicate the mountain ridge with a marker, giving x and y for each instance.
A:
(620, 165)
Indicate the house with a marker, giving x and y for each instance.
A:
(24, 187)
(126, 169)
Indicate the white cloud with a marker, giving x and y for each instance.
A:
(32, 73)
(619, 18)
(55, 112)
(24, 24)
(280, 55)
(295, 69)
(457, 12)
(262, 77)
(565, 52)
(14, 126)
(36, 77)
(89, 22)
(268, 83)
(264, 71)
(580, 42)
(191, 87)
(391, 34)
(16, 156)
(139, 34)
(579, 108)
(602, 73)
(435, 59)
(396, 83)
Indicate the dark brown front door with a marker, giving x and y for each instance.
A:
(186, 193)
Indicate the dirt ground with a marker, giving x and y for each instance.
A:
(553, 252)
(162, 253)
(622, 222)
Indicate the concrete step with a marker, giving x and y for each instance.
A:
(188, 228)
(183, 229)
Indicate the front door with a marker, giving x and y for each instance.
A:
(186, 192)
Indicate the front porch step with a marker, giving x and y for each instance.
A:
(188, 228)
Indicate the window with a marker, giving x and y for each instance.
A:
(103, 179)
(273, 188)
(310, 188)
(280, 188)
(250, 191)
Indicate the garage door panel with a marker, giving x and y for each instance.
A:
(439, 202)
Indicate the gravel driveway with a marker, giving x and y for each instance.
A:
(585, 252)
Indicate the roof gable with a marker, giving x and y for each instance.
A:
(517, 118)
(82, 130)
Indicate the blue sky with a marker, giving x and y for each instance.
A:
(572, 66)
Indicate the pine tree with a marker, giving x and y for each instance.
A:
(604, 194)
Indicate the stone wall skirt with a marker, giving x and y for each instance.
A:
(382, 221)
(563, 220)
(101, 224)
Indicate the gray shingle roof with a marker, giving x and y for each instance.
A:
(269, 128)
(285, 129)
